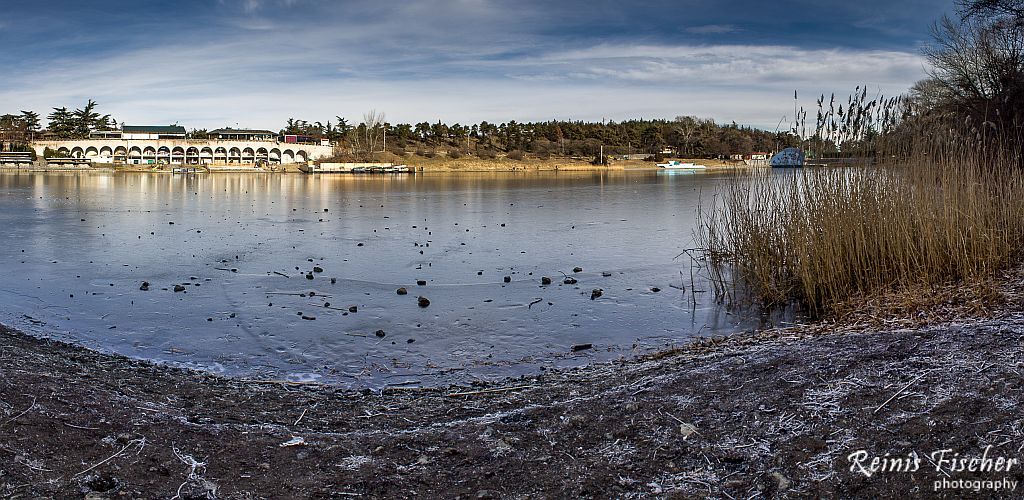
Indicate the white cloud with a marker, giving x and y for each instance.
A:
(260, 76)
(712, 29)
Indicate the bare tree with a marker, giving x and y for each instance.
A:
(686, 128)
(373, 121)
(992, 8)
(978, 69)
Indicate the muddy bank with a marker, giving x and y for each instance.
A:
(775, 415)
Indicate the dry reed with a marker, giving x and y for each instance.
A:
(926, 207)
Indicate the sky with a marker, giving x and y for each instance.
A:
(256, 63)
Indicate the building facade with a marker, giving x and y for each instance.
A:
(240, 134)
(169, 145)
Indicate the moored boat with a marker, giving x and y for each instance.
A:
(673, 164)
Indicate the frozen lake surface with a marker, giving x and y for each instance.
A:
(79, 245)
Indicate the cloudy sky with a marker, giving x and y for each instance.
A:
(255, 63)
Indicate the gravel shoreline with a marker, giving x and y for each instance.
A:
(774, 414)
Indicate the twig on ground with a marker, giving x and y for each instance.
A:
(12, 419)
(141, 443)
(301, 416)
(193, 465)
(73, 426)
(912, 382)
(490, 391)
(30, 465)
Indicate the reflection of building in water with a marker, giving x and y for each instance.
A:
(156, 145)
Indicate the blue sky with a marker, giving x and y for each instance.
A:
(255, 63)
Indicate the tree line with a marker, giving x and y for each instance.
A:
(686, 135)
(62, 123)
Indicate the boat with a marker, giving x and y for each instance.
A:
(673, 164)
(788, 158)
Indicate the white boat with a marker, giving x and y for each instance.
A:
(673, 164)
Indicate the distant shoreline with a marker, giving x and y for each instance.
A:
(423, 165)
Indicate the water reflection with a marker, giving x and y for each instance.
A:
(241, 245)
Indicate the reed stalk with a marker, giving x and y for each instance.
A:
(928, 205)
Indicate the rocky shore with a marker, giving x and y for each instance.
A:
(776, 414)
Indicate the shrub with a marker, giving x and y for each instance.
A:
(516, 154)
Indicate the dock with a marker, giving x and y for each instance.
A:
(16, 159)
(356, 168)
(68, 163)
(186, 170)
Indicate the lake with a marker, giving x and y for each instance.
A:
(242, 246)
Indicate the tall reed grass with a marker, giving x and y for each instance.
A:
(927, 205)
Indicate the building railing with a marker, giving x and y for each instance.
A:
(189, 141)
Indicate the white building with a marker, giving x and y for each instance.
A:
(150, 132)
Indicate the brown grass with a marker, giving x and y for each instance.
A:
(828, 237)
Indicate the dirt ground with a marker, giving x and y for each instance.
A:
(775, 414)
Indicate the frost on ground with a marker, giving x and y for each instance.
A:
(768, 414)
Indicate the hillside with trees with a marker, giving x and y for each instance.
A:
(685, 135)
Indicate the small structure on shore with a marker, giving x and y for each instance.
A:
(355, 168)
(16, 158)
(69, 163)
(242, 134)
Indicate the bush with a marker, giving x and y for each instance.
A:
(516, 154)
(52, 153)
(487, 154)
(17, 147)
(455, 154)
